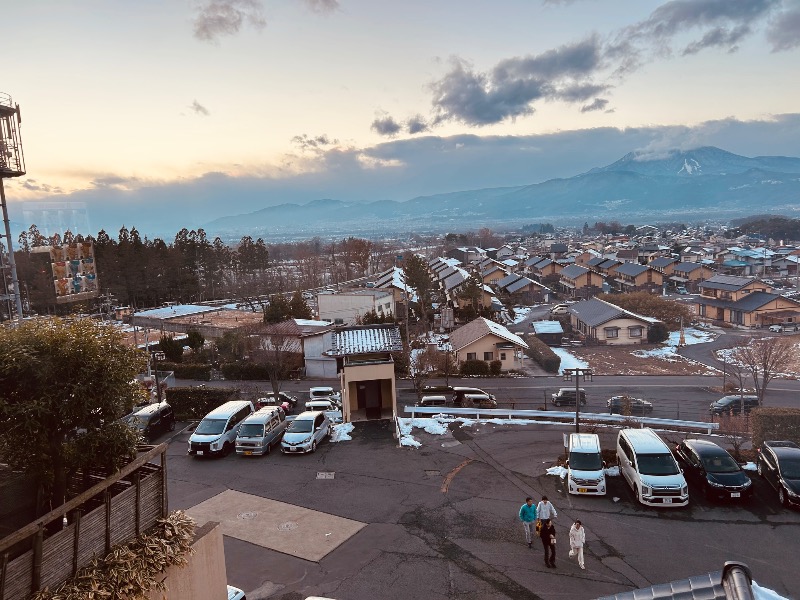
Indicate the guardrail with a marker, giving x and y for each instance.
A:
(495, 413)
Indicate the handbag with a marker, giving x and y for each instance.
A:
(538, 526)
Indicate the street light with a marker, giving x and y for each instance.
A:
(568, 376)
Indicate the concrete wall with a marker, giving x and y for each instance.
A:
(317, 365)
(204, 578)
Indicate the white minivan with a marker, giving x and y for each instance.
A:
(216, 433)
(585, 467)
(650, 469)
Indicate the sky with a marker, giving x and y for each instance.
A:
(205, 108)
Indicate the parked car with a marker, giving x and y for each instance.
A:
(433, 401)
(478, 401)
(305, 432)
(618, 405)
(776, 328)
(779, 463)
(559, 309)
(585, 465)
(152, 420)
(329, 407)
(681, 290)
(719, 475)
(261, 431)
(235, 593)
(460, 392)
(650, 469)
(733, 405)
(324, 393)
(216, 433)
(567, 396)
(269, 400)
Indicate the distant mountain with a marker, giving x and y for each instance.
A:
(688, 185)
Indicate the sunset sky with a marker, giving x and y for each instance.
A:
(239, 104)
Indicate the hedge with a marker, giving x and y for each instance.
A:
(244, 371)
(197, 371)
(496, 367)
(193, 403)
(474, 367)
(773, 423)
(543, 354)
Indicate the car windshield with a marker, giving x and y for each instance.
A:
(211, 426)
(581, 461)
(251, 430)
(303, 426)
(321, 393)
(790, 468)
(657, 464)
(720, 464)
(137, 422)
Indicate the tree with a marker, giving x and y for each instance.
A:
(421, 362)
(471, 291)
(278, 309)
(64, 385)
(195, 340)
(172, 348)
(278, 353)
(668, 312)
(764, 359)
(298, 307)
(418, 278)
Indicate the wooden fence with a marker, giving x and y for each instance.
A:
(114, 511)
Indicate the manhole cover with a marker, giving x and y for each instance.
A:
(288, 526)
(325, 474)
(431, 473)
(247, 515)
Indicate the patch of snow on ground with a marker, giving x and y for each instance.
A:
(341, 432)
(560, 471)
(749, 466)
(433, 426)
(762, 593)
(520, 314)
(669, 350)
(612, 471)
(568, 361)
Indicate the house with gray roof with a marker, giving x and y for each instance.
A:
(482, 339)
(745, 302)
(633, 277)
(580, 282)
(605, 323)
(664, 264)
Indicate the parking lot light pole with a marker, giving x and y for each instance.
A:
(568, 376)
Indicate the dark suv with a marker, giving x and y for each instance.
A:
(152, 420)
(460, 392)
(779, 463)
(566, 396)
(733, 405)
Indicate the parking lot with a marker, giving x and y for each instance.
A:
(440, 521)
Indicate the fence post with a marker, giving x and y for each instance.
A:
(164, 499)
(76, 542)
(137, 480)
(36, 578)
(107, 501)
(3, 567)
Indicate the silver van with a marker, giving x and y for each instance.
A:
(216, 433)
(260, 431)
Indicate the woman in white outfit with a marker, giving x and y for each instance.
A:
(577, 538)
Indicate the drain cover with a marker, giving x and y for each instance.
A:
(247, 515)
(325, 474)
(431, 473)
(288, 526)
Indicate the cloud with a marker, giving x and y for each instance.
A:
(598, 104)
(115, 182)
(199, 109)
(305, 142)
(386, 125)
(218, 18)
(784, 31)
(323, 6)
(417, 124)
(720, 37)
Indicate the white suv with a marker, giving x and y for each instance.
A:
(650, 469)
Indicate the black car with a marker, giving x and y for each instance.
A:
(634, 406)
(733, 405)
(714, 469)
(779, 464)
(152, 420)
(269, 400)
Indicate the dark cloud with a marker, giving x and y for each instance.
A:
(199, 109)
(306, 142)
(598, 104)
(217, 18)
(719, 37)
(784, 32)
(386, 125)
(417, 124)
(323, 6)
(32, 185)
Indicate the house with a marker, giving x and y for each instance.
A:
(394, 280)
(633, 277)
(607, 323)
(545, 268)
(628, 255)
(494, 273)
(345, 308)
(482, 339)
(744, 301)
(366, 370)
(523, 290)
(665, 264)
(580, 282)
(467, 254)
(550, 332)
(690, 275)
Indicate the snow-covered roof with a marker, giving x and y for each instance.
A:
(479, 328)
(366, 339)
(179, 310)
(547, 327)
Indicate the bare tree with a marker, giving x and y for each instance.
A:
(736, 431)
(278, 353)
(763, 360)
(421, 363)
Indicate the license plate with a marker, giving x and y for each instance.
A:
(248, 452)
(199, 453)
(667, 500)
(735, 494)
(582, 490)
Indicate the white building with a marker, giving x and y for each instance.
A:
(346, 307)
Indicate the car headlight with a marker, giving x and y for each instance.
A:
(685, 490)
(308, 439)
(214, 445)
(646, 491)
(713, 483)
(747, 483)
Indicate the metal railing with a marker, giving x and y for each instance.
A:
(560, 416)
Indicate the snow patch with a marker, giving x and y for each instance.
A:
(341, 432)
(612, 471)
(762, 593)
(569, 361)
(560, 471)
(749, 466)
(669, 350)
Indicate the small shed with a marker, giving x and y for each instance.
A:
(550, 332)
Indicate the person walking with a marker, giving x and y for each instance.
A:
(577, 538)
(527, 514)
(548, 535)
(545, 510)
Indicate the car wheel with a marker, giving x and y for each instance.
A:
(226, 449)
(783, 497)
(269, 449)
(760, 469)
(314, 446)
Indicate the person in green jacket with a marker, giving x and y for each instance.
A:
(527, 514)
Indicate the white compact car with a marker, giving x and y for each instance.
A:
(305, 432)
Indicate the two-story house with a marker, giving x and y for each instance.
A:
(606, 323)
(744, 301)
(580, 282)
(633, 277)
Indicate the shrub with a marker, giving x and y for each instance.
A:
(774, 423)
(496, 367)
(172, 348)
(657, 333)
(244, 371)
(192, 403)
(543, 355)
(197, 371)
(474, 367)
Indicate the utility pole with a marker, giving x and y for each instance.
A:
(576, 373)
